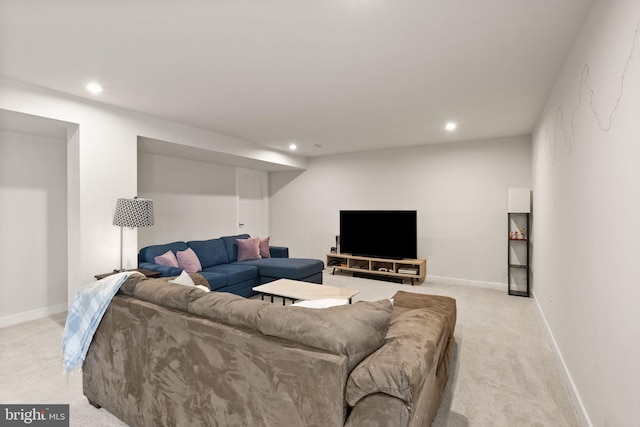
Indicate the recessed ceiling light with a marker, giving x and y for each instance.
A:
(94, 88)
(450, 126)
(292, 146)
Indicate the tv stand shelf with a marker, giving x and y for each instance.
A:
(400, 269)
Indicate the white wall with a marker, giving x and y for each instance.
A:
(192, 200)
(586, 188)
(102, 166)
(33, 227)
(458, 189)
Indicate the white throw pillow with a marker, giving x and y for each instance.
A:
(321, 303)
(183, 279)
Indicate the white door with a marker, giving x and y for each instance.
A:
(252, 209)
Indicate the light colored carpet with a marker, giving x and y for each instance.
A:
(504, 372)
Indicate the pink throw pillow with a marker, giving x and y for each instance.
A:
(168, 259)
(264, 247)
(188, 261)
(248, 249)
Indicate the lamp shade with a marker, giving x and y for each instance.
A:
(133, 213)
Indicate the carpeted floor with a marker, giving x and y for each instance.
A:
(504, 372)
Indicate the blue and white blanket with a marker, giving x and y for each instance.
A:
(87, 309)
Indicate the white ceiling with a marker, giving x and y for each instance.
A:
(348, 75)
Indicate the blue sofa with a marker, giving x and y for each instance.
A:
(223, 271)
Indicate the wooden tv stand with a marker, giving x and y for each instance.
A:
(401, 270)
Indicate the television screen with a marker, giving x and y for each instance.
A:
(379, 234)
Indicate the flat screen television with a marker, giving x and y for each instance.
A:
(379, 234)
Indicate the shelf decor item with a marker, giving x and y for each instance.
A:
(518, 235)
(523, 233)
(132, 213)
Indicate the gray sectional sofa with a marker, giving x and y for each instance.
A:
(220, 266)
(172, 355)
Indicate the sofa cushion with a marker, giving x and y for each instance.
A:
(410, 352)
(379, 410)
(167, 259)
(188, 261)
(210, 252)
(215, 280)
(354, 330)
(199, 280)
(287, 268)
(235, 273)
(263, 244)
(446, 306)
(147, 254)
(278, 252)
(229, 309)
(128, 287)
(232, 246)
(163, 293)
(248, 248)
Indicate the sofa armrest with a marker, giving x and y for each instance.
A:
(279, 251)
(411, 353)
(164, 270)
(379, 409)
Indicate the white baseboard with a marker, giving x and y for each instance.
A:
(27, 316)
(466, 282)
(566, 375)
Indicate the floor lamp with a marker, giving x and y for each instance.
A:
(132, 213)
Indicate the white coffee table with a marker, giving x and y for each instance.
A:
(296, 290)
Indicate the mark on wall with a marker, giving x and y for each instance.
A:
(558, 132)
